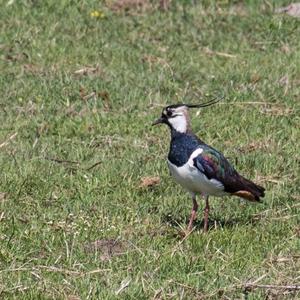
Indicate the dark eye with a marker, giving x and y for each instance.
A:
(169, 113)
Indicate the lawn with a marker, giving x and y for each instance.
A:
(80, 84)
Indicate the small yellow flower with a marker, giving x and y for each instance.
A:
(97, 14)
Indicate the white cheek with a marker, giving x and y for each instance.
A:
(179, 123)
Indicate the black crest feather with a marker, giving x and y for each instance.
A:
(205, 104)
(208, 103)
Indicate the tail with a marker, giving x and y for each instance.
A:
(249, 190)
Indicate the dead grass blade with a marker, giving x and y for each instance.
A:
(124, 284)
(271, 178)
(277, 111)
(88, 71)
(267, 108)
(8, 140)
(251, 286)
(56, 270)
(3, 196)
(210, 52)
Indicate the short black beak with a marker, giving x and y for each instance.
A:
(158, 121)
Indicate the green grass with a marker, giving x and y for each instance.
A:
(53, 205)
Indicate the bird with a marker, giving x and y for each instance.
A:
(199, 168)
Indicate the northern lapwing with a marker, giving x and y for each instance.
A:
(199, 168)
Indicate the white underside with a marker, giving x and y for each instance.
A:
(191, 179)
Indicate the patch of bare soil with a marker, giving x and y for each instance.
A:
(134, 7)
(108, 248)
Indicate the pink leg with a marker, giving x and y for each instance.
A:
(193, 214)
(206, 213)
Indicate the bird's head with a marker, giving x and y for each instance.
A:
(176, 116)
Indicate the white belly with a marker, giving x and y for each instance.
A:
(191, 179)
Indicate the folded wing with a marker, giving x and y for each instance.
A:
(214, 165)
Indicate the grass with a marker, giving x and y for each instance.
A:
(78, 95)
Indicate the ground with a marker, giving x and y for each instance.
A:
(80, 215)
